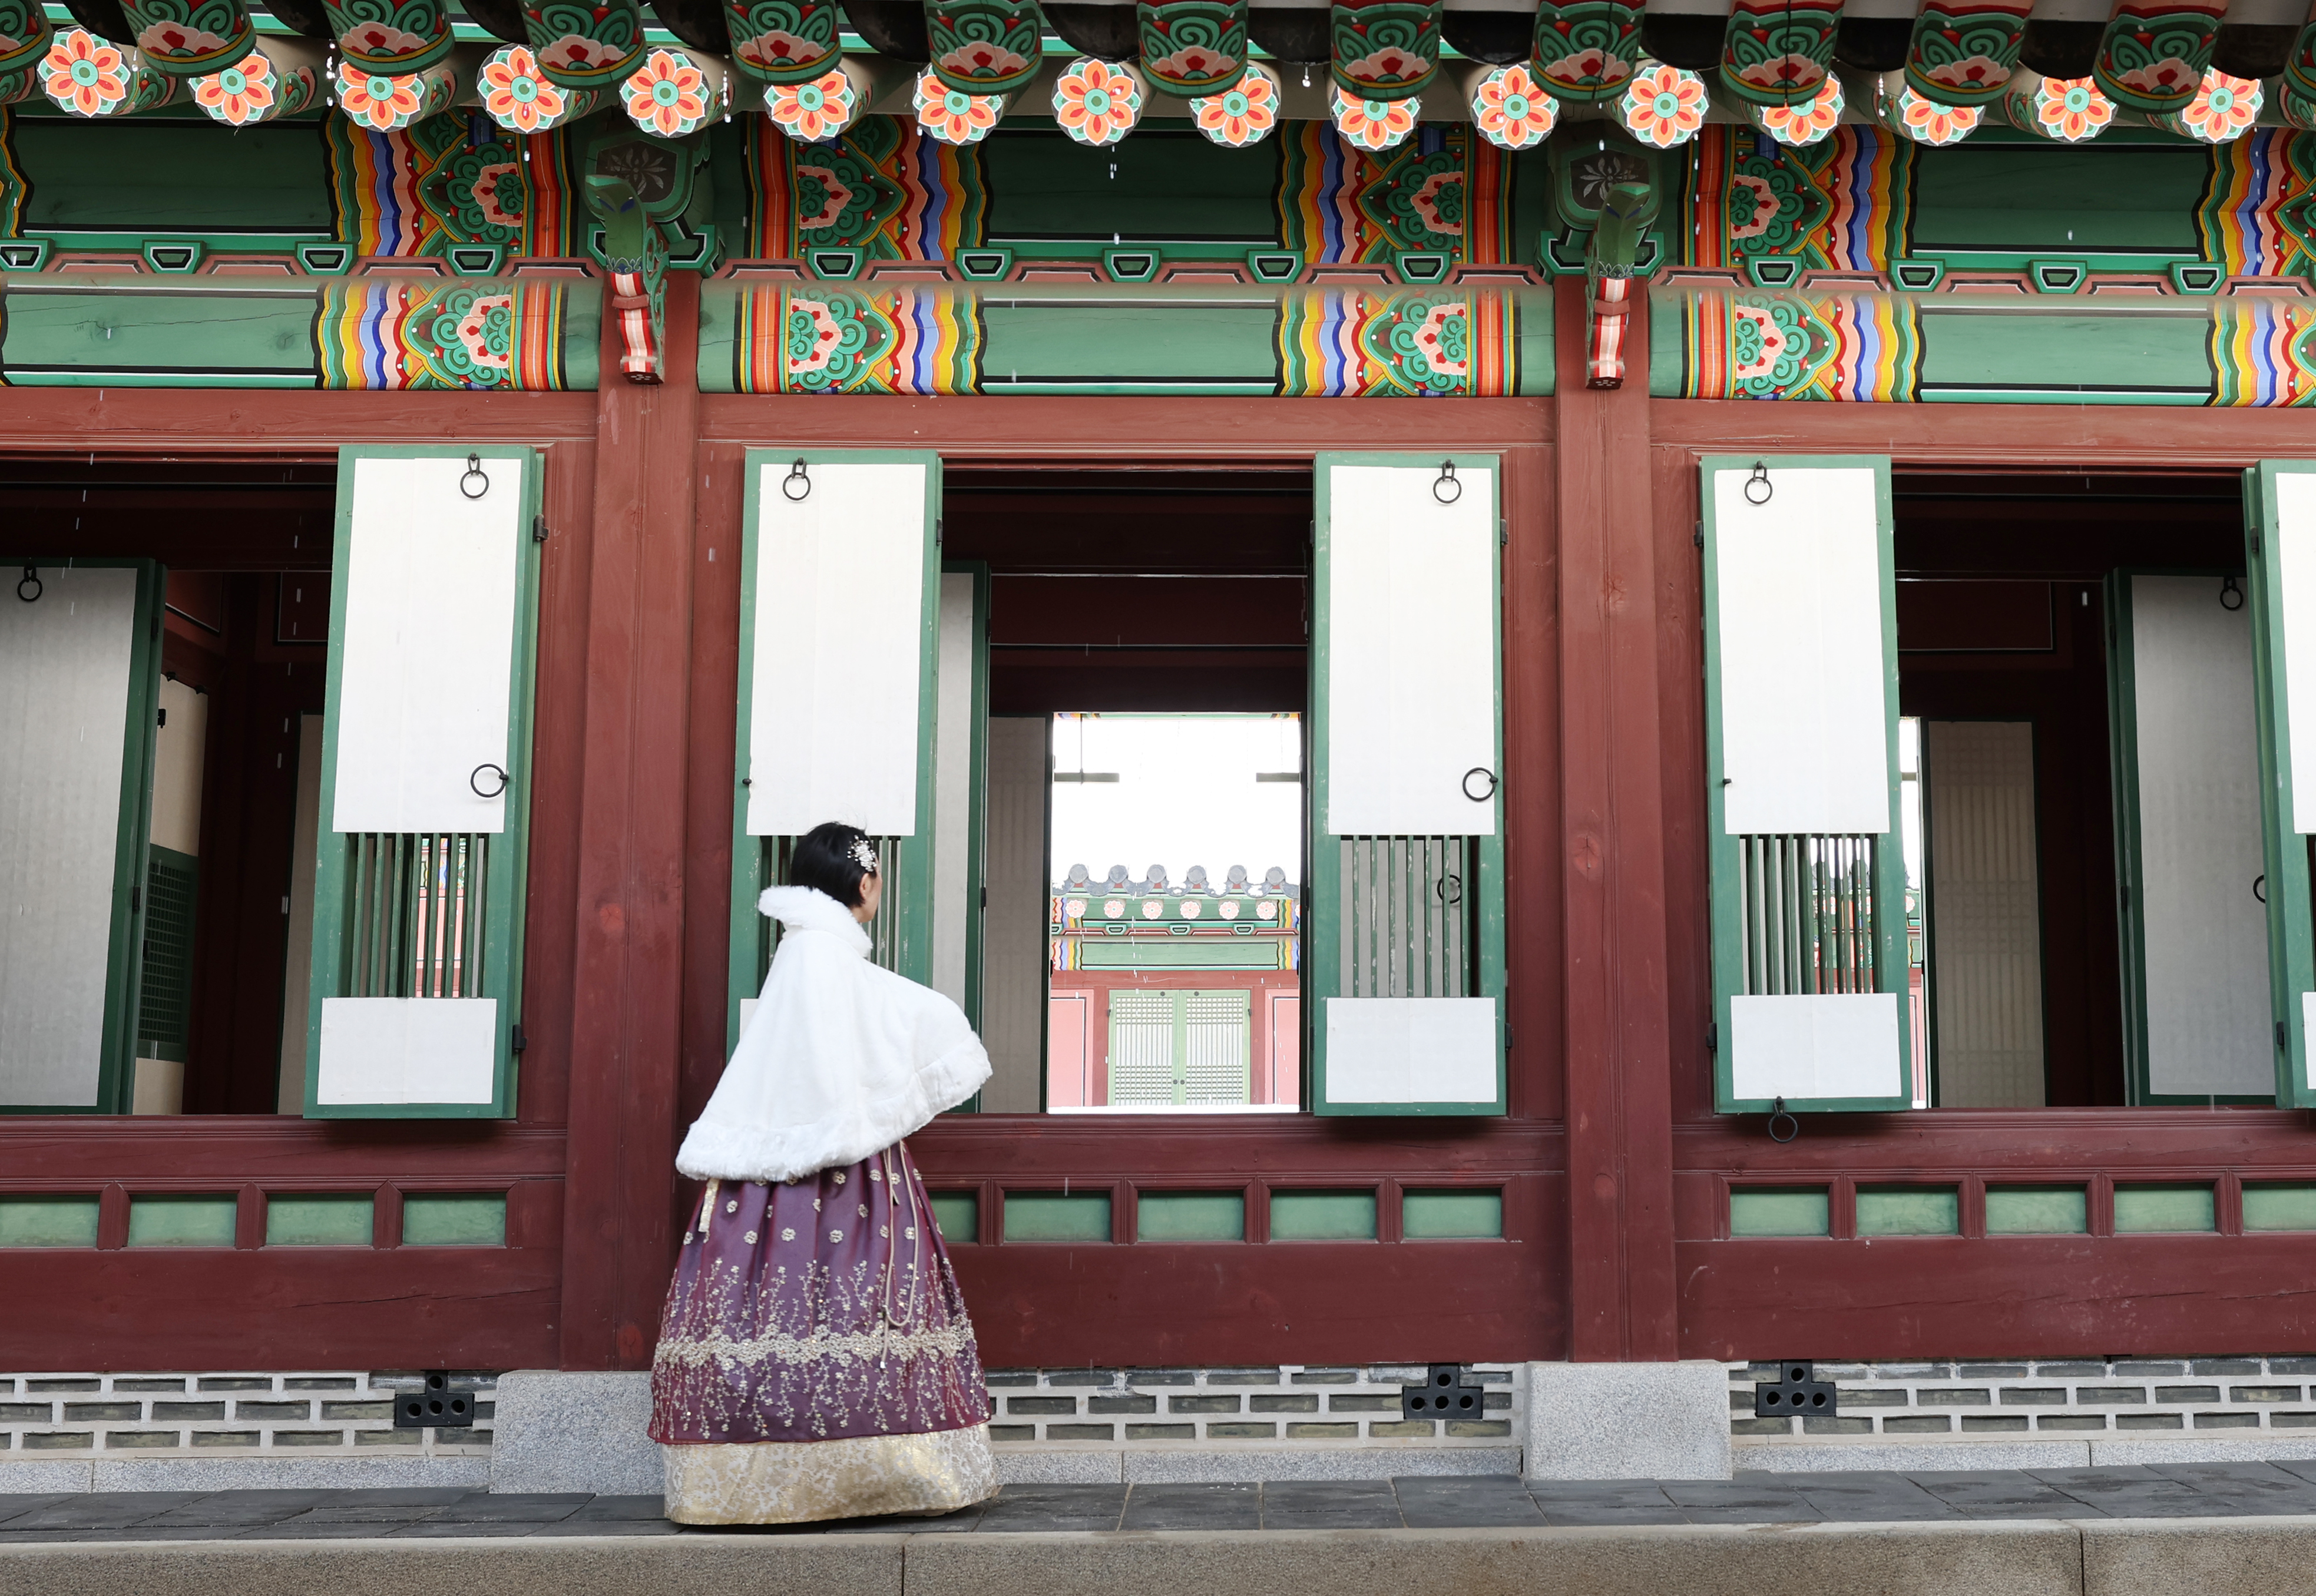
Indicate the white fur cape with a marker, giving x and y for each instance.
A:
(841, 1059)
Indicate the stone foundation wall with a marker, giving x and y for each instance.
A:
(2056, 1398)
(1333, 1405)
(304, 1413)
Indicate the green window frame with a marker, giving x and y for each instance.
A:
(2273, 536)
(1417, 917)
(116, 1062)
(1801, 915)
(900, 938)
(389, 908)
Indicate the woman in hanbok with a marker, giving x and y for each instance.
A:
(816, 1361)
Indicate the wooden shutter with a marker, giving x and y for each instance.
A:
(2198, 1004)
(840, 622)
(1405, 936)
(80, 650)
(2280, 501)
(422, 827)
(1802, 770)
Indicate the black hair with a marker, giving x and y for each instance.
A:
(823, 859)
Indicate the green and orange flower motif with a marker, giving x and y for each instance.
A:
(816, 111)
(1512, 109)
(2224, 110)
(1097, 103)
(1372, 125)
(84, 75)
(670, 95)
(1663, 106)
(2071, 109)
(253, 90)
(1240, 115)
(1926, 121)
(518, 97)
(1802, 125)
(387, 101)
(951, 115)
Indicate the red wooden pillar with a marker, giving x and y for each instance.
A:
(626, 1028)
(1623, 1302)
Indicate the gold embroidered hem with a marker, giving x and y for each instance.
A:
(797, 1482)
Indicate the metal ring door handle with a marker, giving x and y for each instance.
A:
(474, 780)
(1480, 798)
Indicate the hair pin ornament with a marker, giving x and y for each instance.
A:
(864, 854)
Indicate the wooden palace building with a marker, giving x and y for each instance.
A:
(1768, 548)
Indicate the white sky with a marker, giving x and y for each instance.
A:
(1186, 794)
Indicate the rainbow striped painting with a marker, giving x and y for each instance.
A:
(828, 338)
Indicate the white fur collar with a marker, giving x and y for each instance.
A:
(807, 908)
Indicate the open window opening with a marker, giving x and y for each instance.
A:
(1175, 986)
(164, 663)
(2008, 849)
(1170, 849)
(266, 731)
(2075, 666)
(1144, 840)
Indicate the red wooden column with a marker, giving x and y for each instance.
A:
(1622, 1304)
(618, 1241)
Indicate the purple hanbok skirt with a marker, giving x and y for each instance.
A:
(816, 1361)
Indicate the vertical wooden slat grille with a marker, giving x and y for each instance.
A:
(415, 911)
(1408, 920)
(1809, 913)
(884, 931)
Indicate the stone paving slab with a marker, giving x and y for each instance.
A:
(1415, 1502)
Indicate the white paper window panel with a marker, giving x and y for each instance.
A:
(401, 1050)
(833, 728)
(179, 743)
(953, 787)
(2295, 553)
(2308, 1036)
(1805, 711)
(64, 705)
(748, 1013)
(1816, 1048)
(1410, 653)
(1986, 915)
(2210, 1031)
(427, 655)
(1411, 1050)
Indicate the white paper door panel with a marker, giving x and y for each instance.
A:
(428, 647)
(64, 705)
(2295, 537)
(953, 788)
(1804, 720)
(408, 1050)
(1411, 654)
(1814, 1048)
(2308, 1030)
(2210, 1029)
(1411, 1050)
(840, 603)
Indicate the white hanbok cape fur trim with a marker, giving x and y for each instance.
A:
(842, 1058)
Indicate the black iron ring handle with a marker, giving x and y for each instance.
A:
(2260, 887)
(1449, 888)
(1445, 487)
(1776, 1112)
(474, 473)
(1760, 479)
(476, 786)
(795, 487)
(1480, 798)
(32, 579)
